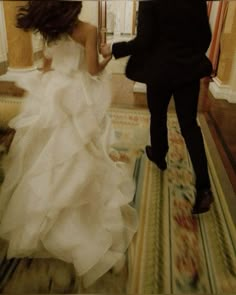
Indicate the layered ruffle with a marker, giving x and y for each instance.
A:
(63, 196)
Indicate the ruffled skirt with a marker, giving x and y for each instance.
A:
(62, 195)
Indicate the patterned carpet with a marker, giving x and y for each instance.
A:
(173, 252)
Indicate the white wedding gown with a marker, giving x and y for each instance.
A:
(63, 196)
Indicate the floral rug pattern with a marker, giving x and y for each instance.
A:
(175, 252)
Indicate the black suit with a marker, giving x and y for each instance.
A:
(168, 54)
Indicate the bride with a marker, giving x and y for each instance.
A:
(63, 196)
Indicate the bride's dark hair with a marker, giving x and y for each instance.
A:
(51, 18)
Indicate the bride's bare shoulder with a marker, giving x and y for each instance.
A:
(82, 30)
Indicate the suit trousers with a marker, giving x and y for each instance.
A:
(186, 97)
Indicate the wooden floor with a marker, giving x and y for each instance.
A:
(220, 116)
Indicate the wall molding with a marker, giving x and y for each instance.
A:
(3, 67)
(3, 57)
(3, 36)
(139, 87)
(222, 91)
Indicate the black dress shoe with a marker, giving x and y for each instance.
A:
(203, 202)
(161, 164)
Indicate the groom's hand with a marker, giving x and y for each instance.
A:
(105, 50)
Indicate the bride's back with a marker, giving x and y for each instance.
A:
(68, 54)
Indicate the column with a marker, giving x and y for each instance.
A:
(20, 49)
(20, 62)
(223, 85)
(3, 45)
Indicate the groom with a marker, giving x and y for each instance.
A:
(168, 55)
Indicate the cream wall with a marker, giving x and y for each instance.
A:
(89, 12)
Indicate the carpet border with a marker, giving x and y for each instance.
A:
(215, 160)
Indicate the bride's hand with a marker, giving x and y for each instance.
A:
(105, 50)
(107, 58)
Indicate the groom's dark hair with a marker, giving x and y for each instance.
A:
(51, 18)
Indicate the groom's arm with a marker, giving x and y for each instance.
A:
(145, 28)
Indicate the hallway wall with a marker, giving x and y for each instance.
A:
(89, 12)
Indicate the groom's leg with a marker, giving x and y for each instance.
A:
(186, 103)
(158, 98)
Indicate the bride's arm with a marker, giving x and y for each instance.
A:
(91, 50)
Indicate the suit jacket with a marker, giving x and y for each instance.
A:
(172, 39)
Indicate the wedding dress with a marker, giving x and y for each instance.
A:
(63, 196)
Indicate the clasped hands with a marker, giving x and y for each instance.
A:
(105, 50)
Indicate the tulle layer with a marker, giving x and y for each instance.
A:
(63, 196)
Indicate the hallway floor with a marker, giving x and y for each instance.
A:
(38, 276)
